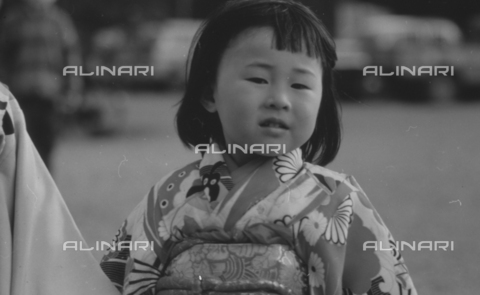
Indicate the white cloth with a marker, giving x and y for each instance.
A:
(35, 221)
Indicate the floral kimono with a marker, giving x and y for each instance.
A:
(277, 225)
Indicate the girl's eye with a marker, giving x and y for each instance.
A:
(299, 86)
(257, 80)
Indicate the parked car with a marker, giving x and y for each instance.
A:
(412, 42)
(390, 42)
(161, 45)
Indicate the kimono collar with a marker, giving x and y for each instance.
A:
(244, 187)
(285, 166)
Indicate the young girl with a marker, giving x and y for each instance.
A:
(260, 74)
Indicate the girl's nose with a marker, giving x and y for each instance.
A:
(278, 99)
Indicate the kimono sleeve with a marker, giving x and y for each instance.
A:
(132, 263)
(372, 262)
(116, 261)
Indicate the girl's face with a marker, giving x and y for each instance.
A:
(266, 96)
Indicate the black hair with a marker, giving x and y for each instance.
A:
(296, 28)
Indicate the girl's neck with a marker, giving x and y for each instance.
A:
(240, 169)
(238, 159)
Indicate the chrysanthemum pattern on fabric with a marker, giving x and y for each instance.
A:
(314, 226)
(337, 228)
(302, 208)
(316, 271)
(288, 165)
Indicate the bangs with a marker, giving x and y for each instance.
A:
(296, 29)
(296, 32)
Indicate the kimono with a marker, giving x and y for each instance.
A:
(278, 225)
(35, 222)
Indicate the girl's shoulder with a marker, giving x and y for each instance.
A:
(177, 176)
(332, 179)
(175, 181)
(163, 193)
(325, 172)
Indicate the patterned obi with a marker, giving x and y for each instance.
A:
(235, 269)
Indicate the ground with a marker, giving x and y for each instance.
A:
(419, 165)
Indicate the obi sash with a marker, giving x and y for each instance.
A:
(235, 269)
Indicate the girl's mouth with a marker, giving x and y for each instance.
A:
(273, 123)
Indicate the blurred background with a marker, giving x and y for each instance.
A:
(412, 142)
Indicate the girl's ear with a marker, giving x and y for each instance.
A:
(208, 100)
